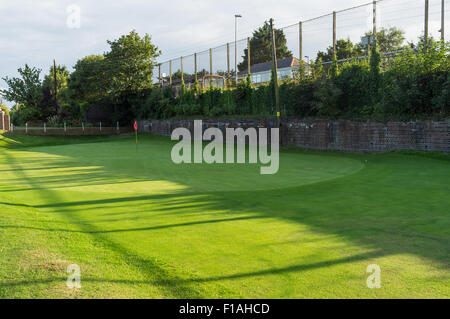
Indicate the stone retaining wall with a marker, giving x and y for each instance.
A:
(340, 135)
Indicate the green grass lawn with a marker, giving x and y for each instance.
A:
(142, 227)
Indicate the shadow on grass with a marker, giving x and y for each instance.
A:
(390, 207)
(177, 282)
(202, 222)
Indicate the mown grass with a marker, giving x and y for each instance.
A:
(142, 227)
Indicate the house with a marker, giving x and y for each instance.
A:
(261, 73)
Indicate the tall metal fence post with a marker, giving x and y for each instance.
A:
(45, 128)
(210, 62)
(170, 72)
(375, 23)
(228, 61)
(100, 126)
(427, 9)
(275, 73)
(195, 67)
(182, 71)
(300, 40)
(249, 65)
(159, 74)
(334, 33)
(26, 128)
(443, 20)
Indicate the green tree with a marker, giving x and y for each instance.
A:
(26, 89)
(87, 81)
(176, 76)
(388, 40)
(261, 47)
(4, 108)
(129, 64)
(345, 49)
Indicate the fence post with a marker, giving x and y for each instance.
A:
(26, 128)
(100, 126)
(210, 62)
(170, 72)
(443, 20)
(300, 40)
(249, 65)
(275, 72)
(228, 60)
(65, 128)
(182, 72)
(117, 125)
(45, 128)
(195, 67)
(375, 23)
(334, 33)
(12, 127)
(427, 7)
(159, 74)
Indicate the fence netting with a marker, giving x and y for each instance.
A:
(348, 32)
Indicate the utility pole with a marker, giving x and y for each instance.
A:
(55, 84)
(275, 73)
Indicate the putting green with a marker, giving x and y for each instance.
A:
(140, 226)
(149, 170)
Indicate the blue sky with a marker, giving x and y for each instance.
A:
(36, 31)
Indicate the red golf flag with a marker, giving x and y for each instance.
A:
(135, 126)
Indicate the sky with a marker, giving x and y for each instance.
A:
(37, 31)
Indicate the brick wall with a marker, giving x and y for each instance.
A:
(338, 135)
(4, 121)
(7, 122)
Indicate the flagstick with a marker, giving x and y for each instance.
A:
(135, 127)
(136, 140)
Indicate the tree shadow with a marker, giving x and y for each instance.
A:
(375, 209)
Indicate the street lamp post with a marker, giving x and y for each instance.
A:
(236, 16)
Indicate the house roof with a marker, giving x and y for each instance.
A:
(267, 66)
